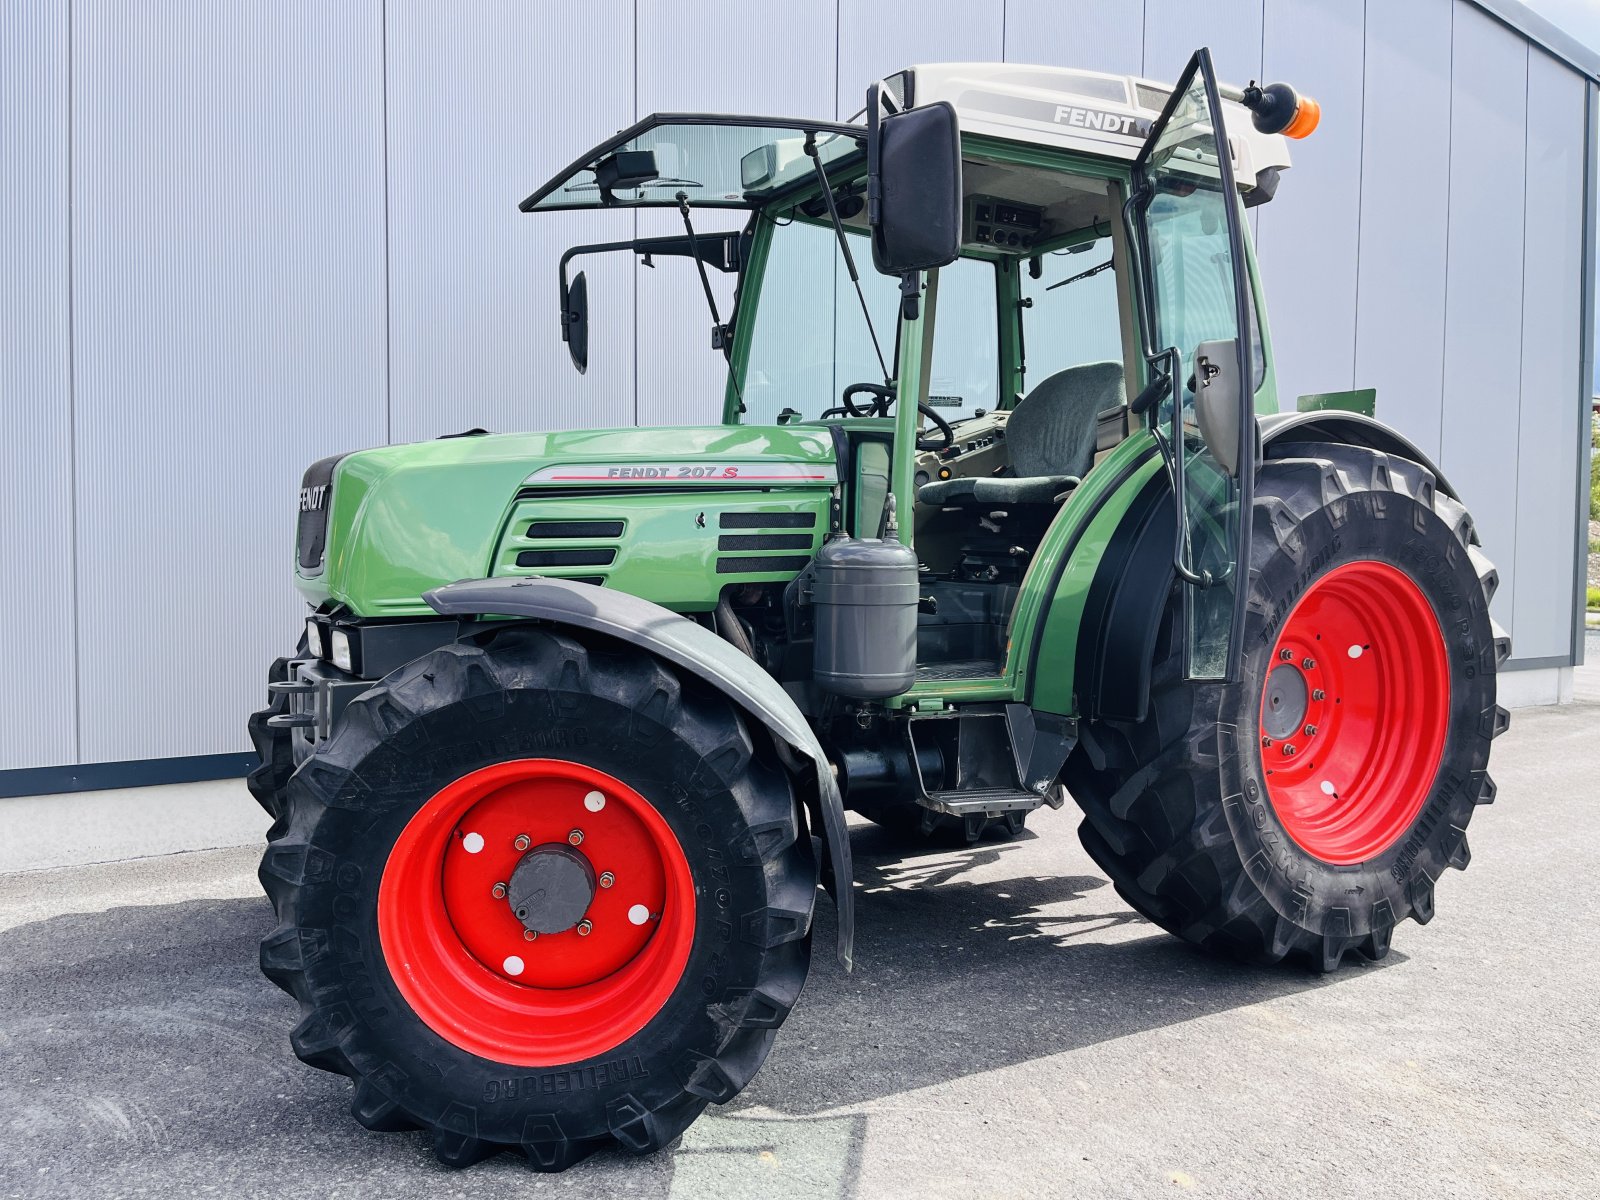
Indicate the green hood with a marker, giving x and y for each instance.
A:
(646, 510)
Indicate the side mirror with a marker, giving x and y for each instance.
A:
(1216, 400)
(913, 186)
(625, 169)
(575, 322)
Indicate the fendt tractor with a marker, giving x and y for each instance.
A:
(566, 750)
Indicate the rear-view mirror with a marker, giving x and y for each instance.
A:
(575, 322)
(914, 186)
(625, 169)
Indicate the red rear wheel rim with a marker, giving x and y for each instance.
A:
(1354, 712)
(461, 957)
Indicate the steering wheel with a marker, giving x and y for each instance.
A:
(883, 396)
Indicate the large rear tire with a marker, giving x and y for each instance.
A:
(1306, 810)
(539, 894)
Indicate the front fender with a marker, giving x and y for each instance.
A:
(692, 647)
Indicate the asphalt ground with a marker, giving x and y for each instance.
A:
(1011, 1029)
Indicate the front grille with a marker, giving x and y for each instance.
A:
(763, 564)
(765, 541)
(759, 520)
(567, 558)
(575, 529)
(316, 498)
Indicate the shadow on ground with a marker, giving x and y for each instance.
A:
(140, 1048)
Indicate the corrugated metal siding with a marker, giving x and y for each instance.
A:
(228, 311)
(1552, 286)
(484, 101)
(293, 230)
(38, 717)
(1405, 195)
(1483, 296)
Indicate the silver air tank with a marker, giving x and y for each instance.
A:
(865, 602)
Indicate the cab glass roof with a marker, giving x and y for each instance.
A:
(716, 161)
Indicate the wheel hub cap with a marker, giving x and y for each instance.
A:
(1283, 709)
(551, 889)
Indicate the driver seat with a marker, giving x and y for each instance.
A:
(1050, 437)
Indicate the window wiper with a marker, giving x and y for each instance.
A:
(1105, 266)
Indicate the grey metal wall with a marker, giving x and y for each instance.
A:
(234, 238)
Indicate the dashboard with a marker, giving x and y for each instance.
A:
(1003, 224)
(979, 449)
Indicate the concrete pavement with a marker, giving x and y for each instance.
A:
(1012, 1029)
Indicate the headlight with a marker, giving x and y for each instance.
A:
(314, 639)
(339, 647)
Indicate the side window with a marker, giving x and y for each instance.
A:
(1073, 318)
(965, 373)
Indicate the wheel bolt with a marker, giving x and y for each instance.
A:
(575, 837)
(584, 927)
(607, 879)
(1308, 663)
(530, 935)
(1266, 741)
(522, 842)
(1286, 654)
(1318, 694)
(499, 890)
(1288, 750)
(1311, 731)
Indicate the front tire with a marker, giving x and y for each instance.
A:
(669, 901)
(1368, 645)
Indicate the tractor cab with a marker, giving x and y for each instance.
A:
(972, 387)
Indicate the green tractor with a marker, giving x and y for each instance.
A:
(566, 752)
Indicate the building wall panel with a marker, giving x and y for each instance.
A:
(1099, 35)
(474, 93)
(228, 312)
(1405, 196)
(38, 715)
(1483, 296)
(1552, 325)
(1309, 245)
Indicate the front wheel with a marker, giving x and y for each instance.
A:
(542, 895)
(1307, 809)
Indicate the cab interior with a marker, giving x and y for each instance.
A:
(1034, 356)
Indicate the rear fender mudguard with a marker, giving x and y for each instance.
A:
(694, 648)
(1123, 611)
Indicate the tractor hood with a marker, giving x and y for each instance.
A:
(672, 515)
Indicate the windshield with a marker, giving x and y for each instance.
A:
(809, 339)
(718, 162)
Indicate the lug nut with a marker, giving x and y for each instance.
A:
(584, 927)
(575, 837)
(607, 879)
(1311, 731)
(1288, 749)
(530, 935)
(1286, 654)
(522, 842)
(1308, 663)
(1318, 694)
(499, 890)
(1266, 741)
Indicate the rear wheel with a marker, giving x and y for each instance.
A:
(1307, 809)
(540, 895)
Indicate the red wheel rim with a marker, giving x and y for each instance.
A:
(459, 953)
(1354, 712)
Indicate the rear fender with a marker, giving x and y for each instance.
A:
(1122, 613)
(696, 649)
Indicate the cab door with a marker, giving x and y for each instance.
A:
(1186, 222)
